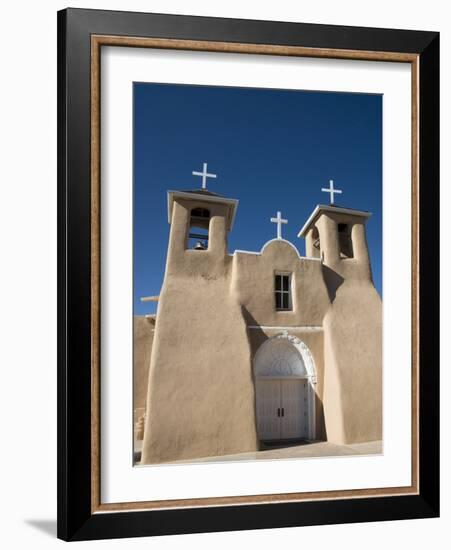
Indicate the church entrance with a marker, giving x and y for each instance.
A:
(285, 397)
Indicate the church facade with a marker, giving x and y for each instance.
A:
(258, 346)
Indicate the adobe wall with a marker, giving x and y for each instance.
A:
(200, 398)
(201, 394)
(253, 283)
(352, 339)
(353, 365)
(143, 331)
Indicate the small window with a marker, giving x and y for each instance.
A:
(283, 291)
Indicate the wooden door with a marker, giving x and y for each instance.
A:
(294, 409)
(268, 409)
(282, 409)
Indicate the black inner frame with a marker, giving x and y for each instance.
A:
(282, 291)
(75, 521)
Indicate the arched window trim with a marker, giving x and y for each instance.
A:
(299, 345)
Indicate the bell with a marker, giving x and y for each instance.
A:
(200, 246)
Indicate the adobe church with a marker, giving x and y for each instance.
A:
(262, 346)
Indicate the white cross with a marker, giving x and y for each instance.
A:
(331, 190)
(279, 221)
(204, 175)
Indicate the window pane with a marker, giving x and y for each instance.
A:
(285, 301)
(278, 282)
(285, 280)
(278, 300)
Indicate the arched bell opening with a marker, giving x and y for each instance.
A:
(199, 228)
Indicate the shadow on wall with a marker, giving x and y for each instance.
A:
(250, 321)
(321, 432)
(333, 281)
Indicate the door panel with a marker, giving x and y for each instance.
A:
(268, 403)
(294, 422)
(290, 398)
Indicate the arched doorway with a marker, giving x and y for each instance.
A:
(284, 374)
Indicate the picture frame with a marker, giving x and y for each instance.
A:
(81, 36)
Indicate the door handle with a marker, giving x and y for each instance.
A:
(278, 411)
(283, 411)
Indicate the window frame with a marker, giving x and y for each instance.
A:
(283, 292)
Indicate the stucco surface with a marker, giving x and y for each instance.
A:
(253, 282)
(200, 398)
(201, 394)
(353, 374)
(352, 337)
(143, 331)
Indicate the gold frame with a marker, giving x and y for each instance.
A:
(97, 41)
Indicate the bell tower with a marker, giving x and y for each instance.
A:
(200, 222)
(337, 236)
(200, 396)
(334, 234)
(352, 325)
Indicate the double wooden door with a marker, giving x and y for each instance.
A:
(282, 409)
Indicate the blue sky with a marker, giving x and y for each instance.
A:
(271, 149)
